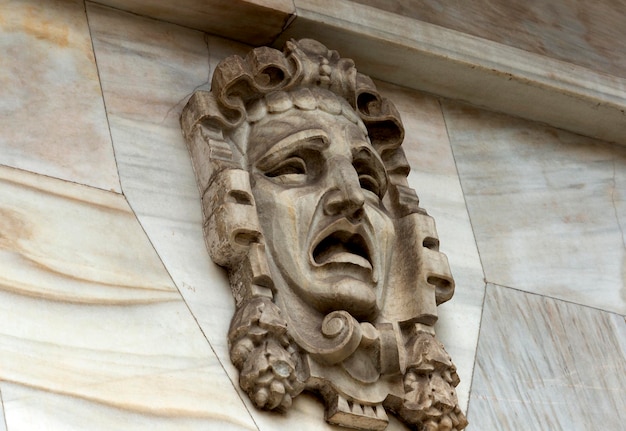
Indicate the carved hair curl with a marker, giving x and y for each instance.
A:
(238, 82)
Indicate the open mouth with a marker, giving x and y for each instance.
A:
(343, 247)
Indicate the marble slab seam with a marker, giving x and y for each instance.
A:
(613, 200)
(544, 204)
(480, 326)
(3, 423)
(482, 307)
(469, 215)
(52, 177)
(195, 318)
(555, 298)
(219, 359)
(52, 118)
(129, 201)
(104, 103)
(544, 363)
(77, 258)
(191, 312)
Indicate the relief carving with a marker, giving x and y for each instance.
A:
(333, 265)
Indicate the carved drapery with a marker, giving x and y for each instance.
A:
(333, 265)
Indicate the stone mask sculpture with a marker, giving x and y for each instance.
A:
(333, 265)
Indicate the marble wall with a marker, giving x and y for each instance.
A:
(51, 109)
(114, 317)
(548, 210)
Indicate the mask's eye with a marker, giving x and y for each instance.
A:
(370, 175)
(291, 166)
(293, 171)
(369, 183)
(295, 160)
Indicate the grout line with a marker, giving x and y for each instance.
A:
(184, 300)
(106, 111)
(458, 175)
(288, 21)
(554, 298)
(487, 283)
(478, 249)
(237, 391)
(613, 188)
(4, 416)
(68, 180)
(480, 329)
(64, 180)
(482, 268)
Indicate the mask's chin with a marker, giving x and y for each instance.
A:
(352, 295)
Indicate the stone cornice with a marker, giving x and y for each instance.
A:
(423, 56)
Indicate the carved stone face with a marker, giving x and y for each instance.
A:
(318, 184)
(292, 192)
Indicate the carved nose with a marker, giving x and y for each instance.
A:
(346, 196)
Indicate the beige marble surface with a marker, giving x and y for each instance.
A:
(92, 323)
(547, 206)
(52, 118)
(256, 22)
(34, 410)
(590, 34)
(546, 364)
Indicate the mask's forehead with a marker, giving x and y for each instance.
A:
(276, 129)
(277, 117)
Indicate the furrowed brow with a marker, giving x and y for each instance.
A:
(311, 138)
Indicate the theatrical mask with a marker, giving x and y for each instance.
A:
(333, 265)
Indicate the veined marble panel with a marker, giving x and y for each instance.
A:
(547, 206)
(545, 364)
(91, 319)
(52, 117)
(35, 410)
